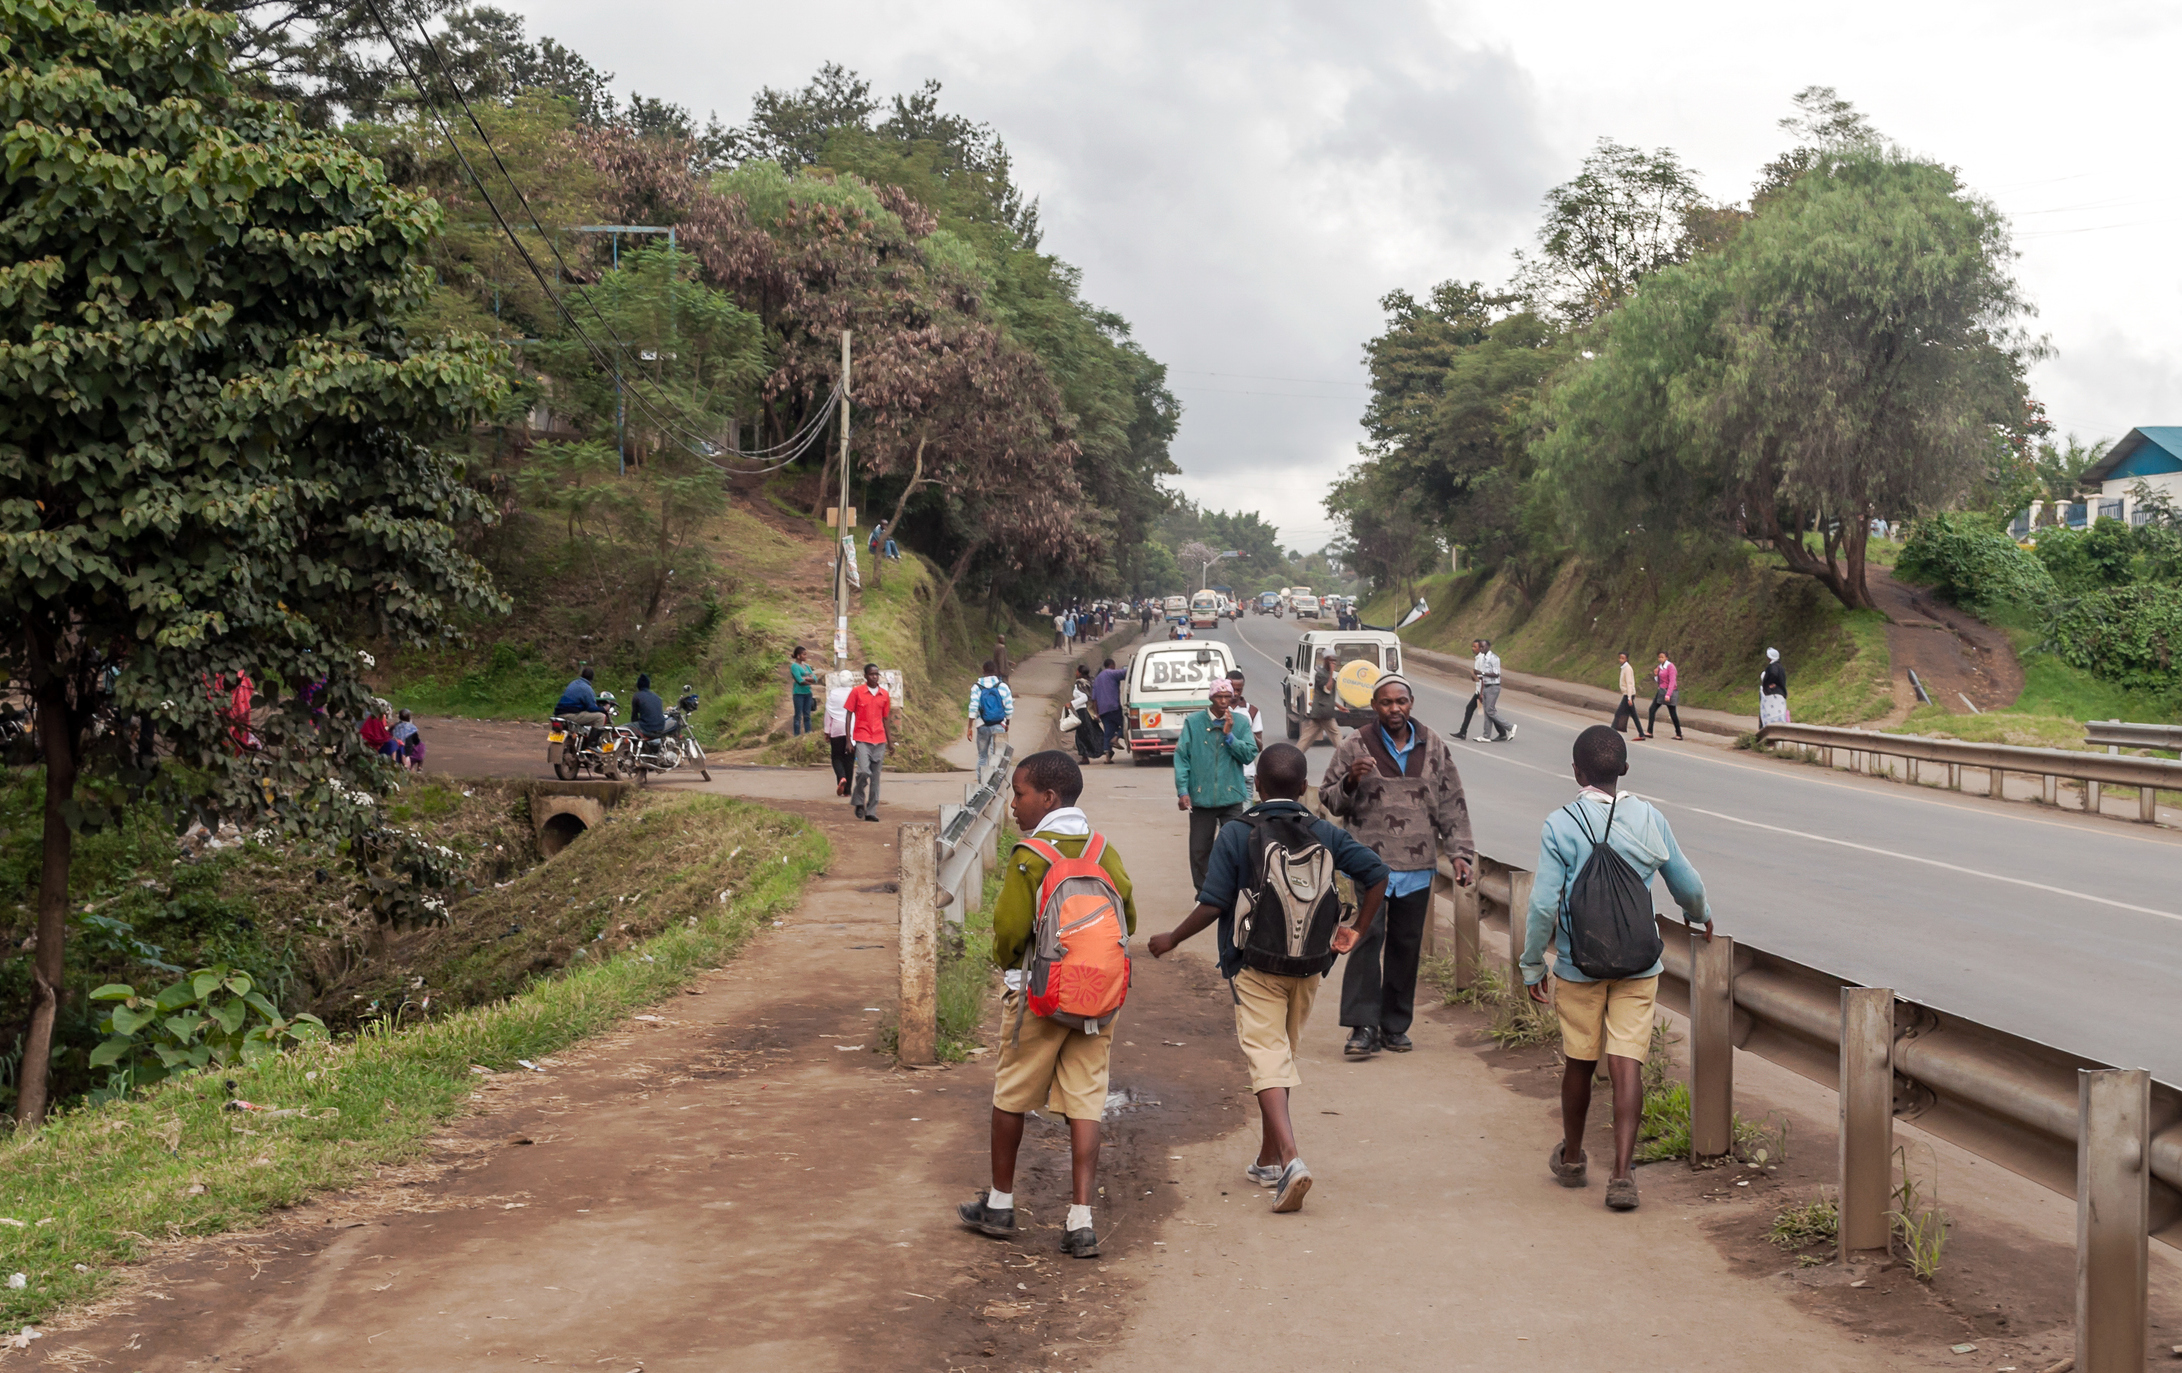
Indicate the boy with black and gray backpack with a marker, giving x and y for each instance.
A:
(1269, 884)
(1061, 927)
(1592, 904)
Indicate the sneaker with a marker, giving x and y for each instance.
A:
(1295, 1180)
(1505, 737)
(1263, 1174)
(986, 1221)
(1399, 1044)
(1621, 1194)
(1363, 1042)
(874, 819)
(1080, 1244)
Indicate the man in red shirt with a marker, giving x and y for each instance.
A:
(869, 707)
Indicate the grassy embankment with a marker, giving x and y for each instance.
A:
(750, 584)
(1715, 624)
(98, 1187)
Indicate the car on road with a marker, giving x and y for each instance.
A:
(1204, 610)
(1167, 682)
(1269, 603)
(1379, 650)
(1302, 603)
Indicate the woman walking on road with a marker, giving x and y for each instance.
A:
(1772, 691)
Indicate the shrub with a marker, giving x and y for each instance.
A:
(2131, 636)
(2082, 561)
(1975, 565)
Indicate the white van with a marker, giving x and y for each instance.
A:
(1302, 602)
(1167, 683)
(1342, 646)
(1205, 610)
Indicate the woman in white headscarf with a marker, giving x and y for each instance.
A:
(1772, 691)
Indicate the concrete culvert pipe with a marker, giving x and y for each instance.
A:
(558, 831)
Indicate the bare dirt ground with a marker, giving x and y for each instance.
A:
(1953, 654)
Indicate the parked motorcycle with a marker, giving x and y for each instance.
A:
(676, 747)
(571, 752)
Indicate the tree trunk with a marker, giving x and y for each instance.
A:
(1846, 585)
(916, 479)
(57, 732)
(962, 565)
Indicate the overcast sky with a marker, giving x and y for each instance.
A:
(1244, 181)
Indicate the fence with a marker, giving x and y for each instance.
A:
(2120, 734)
(1868, 751)
(2110, 1137)
(943, 874)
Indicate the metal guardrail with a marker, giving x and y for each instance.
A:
(2113, 734)
(943, 866)
(1868, 750)
(969, 836)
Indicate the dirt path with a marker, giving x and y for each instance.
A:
(1954, 654)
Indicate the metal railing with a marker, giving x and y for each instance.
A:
(2114, 734)
(2111, 1138)
(1868, 751)
(943, 865)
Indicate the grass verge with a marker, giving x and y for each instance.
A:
(96, 1188)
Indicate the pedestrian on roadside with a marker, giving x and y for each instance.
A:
(838, 745)
(1318, 704)
(992, 710)
(1000, 657)
(1106, 700)
(1257, 722)
(1395, 784)
(1208, 773)
(1485, 672)
(1612, 1016)
(1089, 744)
(1046, 1061)
(800, 673)
(1773, 691)
(1666, 692)
(1627, 710)
(408, 743)
(1060, 637)
(869, 709)
(378, 728)
(1273, 995)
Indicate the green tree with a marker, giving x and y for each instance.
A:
(1850, 353)
(213, 433)
(1624, 216)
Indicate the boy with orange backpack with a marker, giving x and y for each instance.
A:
(1060, 933)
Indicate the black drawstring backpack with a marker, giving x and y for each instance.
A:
(1607, 911)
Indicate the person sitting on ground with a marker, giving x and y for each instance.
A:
(1271, 1008)
(378, 729)
(579, 704)
(646, 711)
(1044, 1062)
(1613, 1017)
(407, 742)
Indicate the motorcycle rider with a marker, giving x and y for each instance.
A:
(579, 705)
(646, 711)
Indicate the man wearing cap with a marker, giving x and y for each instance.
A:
(1393, 784)
(1208, 773)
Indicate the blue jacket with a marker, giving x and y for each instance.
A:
(577, 695)
(1208, 768)
(1641, 835)
(1229, 868)
(648, 713)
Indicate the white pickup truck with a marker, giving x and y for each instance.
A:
(1341, 647)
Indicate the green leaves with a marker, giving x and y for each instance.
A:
(213, 1016)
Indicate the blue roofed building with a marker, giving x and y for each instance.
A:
(2151, 455)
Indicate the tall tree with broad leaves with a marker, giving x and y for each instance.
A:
(214, 437)
(1625, 215)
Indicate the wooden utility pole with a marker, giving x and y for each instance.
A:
(841, 525)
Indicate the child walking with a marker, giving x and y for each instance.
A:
(1049, 1060)
(1609, 1015)
(1274, 981)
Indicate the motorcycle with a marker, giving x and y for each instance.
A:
(571, 752)
(675, 747)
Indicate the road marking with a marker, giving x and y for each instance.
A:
(1929, 862)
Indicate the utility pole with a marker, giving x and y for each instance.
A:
(841, 523)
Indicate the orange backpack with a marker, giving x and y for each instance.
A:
(1076, 964)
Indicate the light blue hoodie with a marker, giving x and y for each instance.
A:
(1640, 835)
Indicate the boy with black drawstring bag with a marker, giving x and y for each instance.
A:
(1270, 885)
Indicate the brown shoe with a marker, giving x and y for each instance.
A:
(1621, 1194)
(1569, 1174)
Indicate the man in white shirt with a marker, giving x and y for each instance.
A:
(1485, 671)
(1257, 725)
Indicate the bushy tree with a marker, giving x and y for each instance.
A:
(214, 432)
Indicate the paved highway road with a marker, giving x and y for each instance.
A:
(2054, 926)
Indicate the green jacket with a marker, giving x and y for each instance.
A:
(1208, 768)
(1017, 905)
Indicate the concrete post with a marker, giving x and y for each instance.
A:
(1954, 777)
(1867, 1116)
(2113, 1204)
(2093, 798)
(1465, 937)
(1994, 783)
(2052, 790)
(919, 1032)
(1712, 1045)
(2147, 804)
(1519, 884)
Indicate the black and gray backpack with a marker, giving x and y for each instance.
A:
(1288, 909)
(1607, 911)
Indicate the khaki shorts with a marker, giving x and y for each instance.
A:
(1619, 1013)
(1050, 1065)
(1270, 1013)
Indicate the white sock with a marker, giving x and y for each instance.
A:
(1079, 1218)
(1000, 1201)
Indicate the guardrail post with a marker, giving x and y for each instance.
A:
(2093, 798)
(2052, 790)
(1519, 884)
(1712, 1045)
(2147, 804)
(1954, 777)
(1994, 778)
(1465, 935)
(2113, 1205)
(1867, 1116)
(918, 1040)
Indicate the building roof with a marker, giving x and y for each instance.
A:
(2145, 452)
